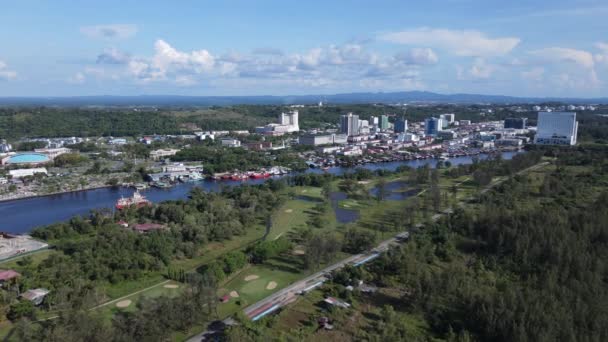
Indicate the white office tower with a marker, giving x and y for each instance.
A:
(556, 128)
(290, 120)
(349, 124)
(447, 119)
(373, 120)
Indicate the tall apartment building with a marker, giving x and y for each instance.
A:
(432, 126)
(556, 128)
(383, 122)
(401, 125)
(349, 124)
(517, 123)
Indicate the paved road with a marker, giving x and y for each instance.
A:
(290, 293)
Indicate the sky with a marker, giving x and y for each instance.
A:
(521, 48)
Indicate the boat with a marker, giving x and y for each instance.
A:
(140, 186)
(195, 176)
(260, 175)
(161, 185)
(137, 200)
(239, 177)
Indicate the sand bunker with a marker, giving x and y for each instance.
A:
(251, 277)
(299, 251)
(234, 294)
(271, 285)
(363, 182)
(123, 303)
(171, 286)
(289, 210)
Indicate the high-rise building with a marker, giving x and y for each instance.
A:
(383, 122)
(401, 125)
(290, 119)
(447, 119)
(556, 128)
(517, 123)
(432, 126)
(373, 120)
(349, 124)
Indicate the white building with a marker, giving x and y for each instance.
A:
(327, 139)
(447, 119)
(53, 152)
(20, 173)
(231, 142)
(204, 135)
(556, 128)
(290, 120)
(349, 124)
(117, 141)
(5, 147)
(163, 153)
(288, 123)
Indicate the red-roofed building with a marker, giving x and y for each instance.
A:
(147, 227)
(8, 275)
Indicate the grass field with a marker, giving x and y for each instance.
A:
(253, 290)
(36, 257)
(293, 214)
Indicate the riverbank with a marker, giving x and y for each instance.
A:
(25, 197)
(22, 215)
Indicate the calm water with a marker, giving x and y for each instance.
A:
(395, 191)
(342, 215)
(20, 216)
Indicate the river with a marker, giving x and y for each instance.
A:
(22, 215)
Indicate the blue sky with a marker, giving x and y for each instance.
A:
(521, 48)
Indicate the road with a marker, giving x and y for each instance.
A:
(290, 293)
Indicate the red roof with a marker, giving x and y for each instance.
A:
(145, 227)
(8, 275)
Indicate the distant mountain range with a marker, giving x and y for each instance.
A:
(348, 98)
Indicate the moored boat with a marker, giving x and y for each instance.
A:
(136, 200)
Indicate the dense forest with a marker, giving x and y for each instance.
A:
(16, 123)
(90, 253)
(525, 262)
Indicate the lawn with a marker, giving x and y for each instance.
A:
(253, 290)
(169, 289)
(37, 257)
(293, 214)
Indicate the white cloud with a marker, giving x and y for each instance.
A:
(418, 56)
(113, 56)
(5, 73)
(320, 66)
(602, 56)
(576, 81)
(77, 78)
(462, 43)
(479, 70)
(168, 60)
(534, 74)
(559, 54)
(110, 31)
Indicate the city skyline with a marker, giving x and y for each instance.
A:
(278, 48)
